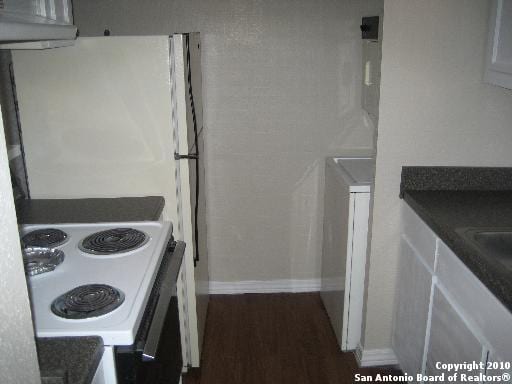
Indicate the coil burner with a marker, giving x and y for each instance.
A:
(87, 301)
(46, 238)
(112, 241)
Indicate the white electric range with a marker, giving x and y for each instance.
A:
(102, 283)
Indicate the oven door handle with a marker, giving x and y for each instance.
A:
(166, 292)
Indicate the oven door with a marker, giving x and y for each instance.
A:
(155, 357)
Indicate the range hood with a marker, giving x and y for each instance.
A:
(32, 23)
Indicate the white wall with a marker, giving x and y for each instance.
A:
(282, 91)
(18, 358)
(434, 110)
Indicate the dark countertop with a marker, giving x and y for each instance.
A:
(456, 179)
(69, 360)
(450, 198)
(60, 211)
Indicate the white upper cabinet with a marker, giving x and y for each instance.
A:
(498, 68)
(35, 20)
(41, 11)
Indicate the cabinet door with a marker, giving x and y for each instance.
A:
(490, 317)
(498, 69)
(451, 340)
(412, 307)
(419, 235)
(496, 366)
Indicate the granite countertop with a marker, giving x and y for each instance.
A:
(69, 360)
(460, 197)
(95, 210)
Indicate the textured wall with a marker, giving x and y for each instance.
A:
(18, 359)
(282, 91)
(434, 110)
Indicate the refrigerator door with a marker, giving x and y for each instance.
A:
(188, 125)
(96, 119)
(194, 85)
(197, 178)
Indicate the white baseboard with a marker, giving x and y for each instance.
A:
(264, 286)
(375, 357)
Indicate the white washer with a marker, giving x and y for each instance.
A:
(348, 186)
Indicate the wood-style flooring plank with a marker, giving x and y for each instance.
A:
(273, 339)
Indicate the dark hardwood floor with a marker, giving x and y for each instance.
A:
(273, 339)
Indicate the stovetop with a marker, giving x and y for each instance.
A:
(131, 272)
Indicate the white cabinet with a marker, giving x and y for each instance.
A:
(498, 366)
(106, 371)
(444, 314)
(451, 340)
(481, 309)
(498, 68)
(99, 376)
(31, 24)
(411, 309)
(38, 11)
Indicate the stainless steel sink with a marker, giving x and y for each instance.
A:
(492, 242)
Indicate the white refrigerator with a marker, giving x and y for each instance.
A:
(122, 116)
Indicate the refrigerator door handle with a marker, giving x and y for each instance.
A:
(191, 156)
